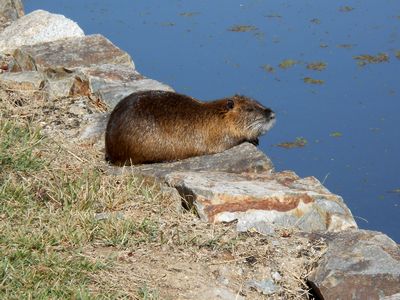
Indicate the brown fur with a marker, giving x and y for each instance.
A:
(156, 126)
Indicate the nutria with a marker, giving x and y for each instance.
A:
(157, 126)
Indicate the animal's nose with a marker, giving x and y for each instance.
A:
(269, 113)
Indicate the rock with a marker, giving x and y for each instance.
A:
(6, 62)
(71, 54)
(96, 127)
(84, 66)
(266, 287)
(23, 80)
(218, 293)
(393, 297)
(10, 10)
(38, 27)
(358, 265)
(244, 158)
(112, 94)
(278, 199)
(109, 215)
(276, 276)
(111, 83)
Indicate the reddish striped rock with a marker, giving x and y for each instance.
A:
(263, 201)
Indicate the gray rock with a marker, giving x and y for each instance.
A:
(112, 94)
(263, 227)
(23, 80)
(10, 10)
(218, 293)
(266, 287)
(86, 66)
(358, 265)
(392, 297)
(244, 158)
(37, 27)
(113, 82)
(95, 128)
(70, 54)
(276, 199)
(109, 215)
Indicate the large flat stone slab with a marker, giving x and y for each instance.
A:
(358, 264)
(38, 27)
(262, 201)
(10, 10)
(244, 158)
(70, 53)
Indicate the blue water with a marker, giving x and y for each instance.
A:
(197, 55)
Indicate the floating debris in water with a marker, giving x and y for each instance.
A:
(371, 59)
(189, 14)
(313, 81)
(397, 54)
(243, 28)
(346, 46)
(346, 8)
(298, 143)
(323, 45)
(317, 66)
(231, 63)
(395, 191)
(315, 21)
(268, 68)
(336, 134)
(274, 16)
(167, 24)
(287, 63)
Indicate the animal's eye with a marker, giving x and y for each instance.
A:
(230, 104)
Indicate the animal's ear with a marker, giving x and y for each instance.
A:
(230, 104)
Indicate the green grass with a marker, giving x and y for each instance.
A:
(48, 218)
(16, 148)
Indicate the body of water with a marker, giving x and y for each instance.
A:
(330, 69)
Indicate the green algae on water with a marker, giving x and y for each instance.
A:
(365, 59)
(287, 63)
(298, 143)
(243, 28)
(336, 134)
(346, 8)
(346, 46)
(313, 81)
(167, 24)
(317, 66)
(189, 14)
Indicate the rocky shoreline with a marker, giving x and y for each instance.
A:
(50, 53)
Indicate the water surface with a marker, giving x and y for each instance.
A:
(347, 114)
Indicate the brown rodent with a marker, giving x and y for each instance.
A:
(157, 126)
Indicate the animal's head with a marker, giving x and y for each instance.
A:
(247, 117)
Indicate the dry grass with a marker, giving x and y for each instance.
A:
(69, 230)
